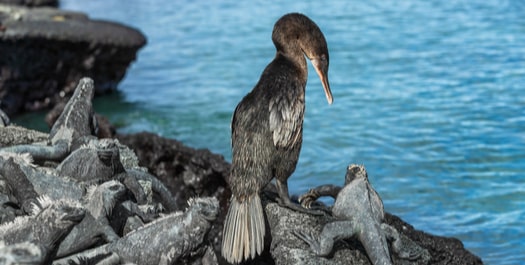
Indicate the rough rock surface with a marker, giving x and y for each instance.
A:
(189, 172)
(45, 51)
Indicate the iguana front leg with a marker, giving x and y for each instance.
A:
(312, 195)
(330, 233)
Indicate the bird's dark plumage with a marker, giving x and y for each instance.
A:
(267, 129)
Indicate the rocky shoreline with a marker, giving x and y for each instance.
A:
(163, 190)
(189, 173)
(171, 161)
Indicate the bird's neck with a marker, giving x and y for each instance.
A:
(296, 57)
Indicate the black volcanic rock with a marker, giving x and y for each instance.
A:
(31, 3)
(45, 51)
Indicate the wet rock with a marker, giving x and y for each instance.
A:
(45, 51)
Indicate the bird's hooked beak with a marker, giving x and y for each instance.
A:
(321, 67)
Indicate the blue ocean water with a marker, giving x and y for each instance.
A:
(428, 95)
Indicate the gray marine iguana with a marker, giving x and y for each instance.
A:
(97, 159)
(75, 126)
(30, 181)
(99, 202)
(46, 227)
(100, 159)
(163, 241)
(359, 211)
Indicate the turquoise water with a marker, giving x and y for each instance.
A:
(428, 95)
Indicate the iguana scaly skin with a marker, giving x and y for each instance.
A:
(99, 202)
(21, 253)
(98, 159)
(46, 227)
(359, 212)
(163, 241)
(32, 181)
(75, 126)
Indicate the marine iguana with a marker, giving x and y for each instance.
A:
(74, 127)
(48, 224)
(99, 202)
(100, 159)
(163, 241)
(21, 253)
(31, 181)
(359, 211)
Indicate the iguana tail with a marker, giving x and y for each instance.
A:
(244, 229)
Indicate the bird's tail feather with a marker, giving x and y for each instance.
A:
(243, 232)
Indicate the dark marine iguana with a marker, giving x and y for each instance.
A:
(48, 224)
(359, 211)
(75, 126)
(163, 241)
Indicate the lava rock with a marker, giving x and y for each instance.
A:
(45, 51)
(31, 3)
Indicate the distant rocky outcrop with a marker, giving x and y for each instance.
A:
(45, 51)
(31, 3)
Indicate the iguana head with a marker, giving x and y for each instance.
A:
(354, 172)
